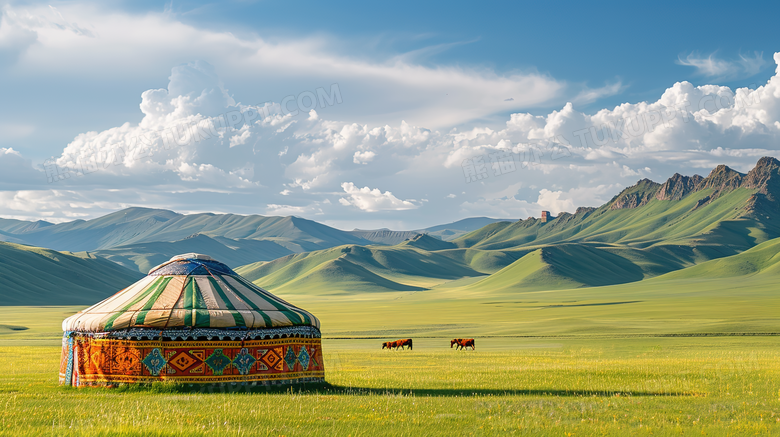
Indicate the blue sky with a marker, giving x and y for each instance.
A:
(454, 73)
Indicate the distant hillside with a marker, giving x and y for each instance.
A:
(444, 232)
(688, 227)
(143, 225)
(384, 236)
(35, 276)
(646, 231)
(720, 215)
(763, 259)
(468, 224)
(10, 238)
(19, 226)
(144, 256)
(568, 266)
(401, 267)
(426, 242)
(456, 229)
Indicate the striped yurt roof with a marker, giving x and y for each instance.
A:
(190, 291)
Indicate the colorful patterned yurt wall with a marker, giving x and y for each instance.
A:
(191, 320)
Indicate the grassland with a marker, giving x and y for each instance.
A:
(662, 319)
(680, 386)
(695, 351)
(37, 276)
(665, 356)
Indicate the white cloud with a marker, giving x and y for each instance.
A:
(55, 205)
(238, 158)
(370, 200)
(746, 66)
(588, 95)
(285, 210)
(363, 157)
(240, 139)
(15, 39)
(92, 42)
(568, 201)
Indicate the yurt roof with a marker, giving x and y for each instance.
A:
(190, 291)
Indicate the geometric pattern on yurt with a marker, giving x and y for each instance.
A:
(154, 360)
(192, 319)
(194, 361)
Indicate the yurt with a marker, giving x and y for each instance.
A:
(191, 320)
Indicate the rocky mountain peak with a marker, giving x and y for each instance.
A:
(678, 186)
(722, 178)
(636, 195)
(764, 177)
(584, 210)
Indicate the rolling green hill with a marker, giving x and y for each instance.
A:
(384, 236)
(723, 224)
(35, 276)
(687, 228)
(405, 266)
(349, 278)
(144, 256)
(648, 230)
(564, 266)
(426, 242)
(451, 231)
(445, 232)
(763, 259)
(723, 214)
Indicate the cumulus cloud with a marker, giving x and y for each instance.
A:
(198, 148)
(363, 157)
(370, 200)
(568, 201)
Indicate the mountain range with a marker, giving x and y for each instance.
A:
(139, 238)
(647, 230)
(683, 226)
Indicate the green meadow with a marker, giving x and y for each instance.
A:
(664, 356)
(648, 386)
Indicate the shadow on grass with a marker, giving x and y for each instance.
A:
(337, 390)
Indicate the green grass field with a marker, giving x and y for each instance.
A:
(664, 356)
(649, 386)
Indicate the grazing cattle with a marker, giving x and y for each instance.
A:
(402, 343)
(462, 343)
(397, 344)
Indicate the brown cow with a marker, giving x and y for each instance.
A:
(397, 344)
(402, 343)
(390, 345)
(463, 343)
